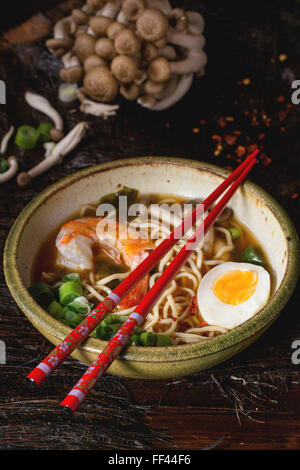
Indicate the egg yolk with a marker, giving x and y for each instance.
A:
(235, 287)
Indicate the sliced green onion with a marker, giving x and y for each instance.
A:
(235, 232)
(71, 277)
(26, 137)
(80, 305)
(136, 339)
(72, 317)
(251, 256)
(56, 310)
(104, 332)
(3, 165)
(147, 338)
(163, 340)
(113, 318)
(44, 131)
(93, 334)
(41, 294)
(69, 291)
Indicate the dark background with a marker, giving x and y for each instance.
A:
(244, 100)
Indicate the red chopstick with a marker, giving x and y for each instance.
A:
(82, 331)
(112, 350)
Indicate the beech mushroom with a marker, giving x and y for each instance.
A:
(59, 46)
(65, 146)
(93, 61)
(130, 91)
(126, 42)
(191, 64)
(114, 29)
(100, 24)
(100, 84)
(84, 45)
(124, 68)
(147, 101)
(133, 8)
(12, 170)
(105, 48)
(71, 74)
(5, 140)
(153, 88)
(42, 104)
(56, 135)
(111, 8)
(152, 24)
(80, 17)
(95, 4)
(159, 70)
(179, 19)
(149, 51)
(183, 86)
(96, 109)
(70, 60)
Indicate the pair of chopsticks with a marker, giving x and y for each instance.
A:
(118, 342)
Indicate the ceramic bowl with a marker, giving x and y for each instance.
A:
(191, 179)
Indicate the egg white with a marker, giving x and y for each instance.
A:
(216, 312)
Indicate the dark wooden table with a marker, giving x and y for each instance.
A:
(249, 402)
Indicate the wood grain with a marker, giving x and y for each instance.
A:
(249, 402)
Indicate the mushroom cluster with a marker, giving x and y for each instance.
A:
(144, 49)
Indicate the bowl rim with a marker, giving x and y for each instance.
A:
(233, 338)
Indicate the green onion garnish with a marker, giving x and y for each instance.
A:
(235, 232)
(251, 256)
(41, 294)
(163, 340)
(44, 131)
(26, 137)
(147, 338)
(56, 310)
(69, 291)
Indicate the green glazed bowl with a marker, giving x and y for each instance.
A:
(165, 175)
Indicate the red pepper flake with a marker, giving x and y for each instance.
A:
(203, 122)
(237, 132)
(246, 81)
(266, 161)
(261, 136)
(216, 137)
(229, 119)
(230, 139)
(203, 323)
(252, 147)
(280, 99)
(222, 122)
(193, 308)
(294, 196)
(282, 129)
(196, 130)
(240, 151)
(228, 167)
(167, 125)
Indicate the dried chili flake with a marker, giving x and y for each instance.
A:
(280, 99)
(246, 81)
(216, 137)
(196, 130)
(222, 122)
(294, 195)
(230, 139)
(282, 57)
(203, 122)
(240, 151)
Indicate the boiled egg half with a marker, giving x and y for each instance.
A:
(231, 293)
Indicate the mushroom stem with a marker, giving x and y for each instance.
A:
(190, 41)
(96, 109)
(10, 173)
(62, 28)
(70, 60)
(42, 104)
(194, 62)
(183, 86)
(111, 9)
(5, 140)
(196, 22)
(65, 146)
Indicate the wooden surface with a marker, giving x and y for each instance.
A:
(249, 402)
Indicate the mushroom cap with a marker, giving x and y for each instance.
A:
(124, 68)
(105, 48)
(23, 179)
(71, 74)
(149, 51)
(84, 45)
(133, 8)
(100, 84)
(179, 19)
(130, 91)
(80, 17)
(152, 24)
(99, 24)
(56, 135)
(126, 42)
(93, 61)
(153, 88)
(95, 4)
(114, 29)
(159, 70)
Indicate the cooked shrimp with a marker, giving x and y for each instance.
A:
(75, 242)
(132, 249)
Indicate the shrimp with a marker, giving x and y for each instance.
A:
(132, 249)
(75, 242)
